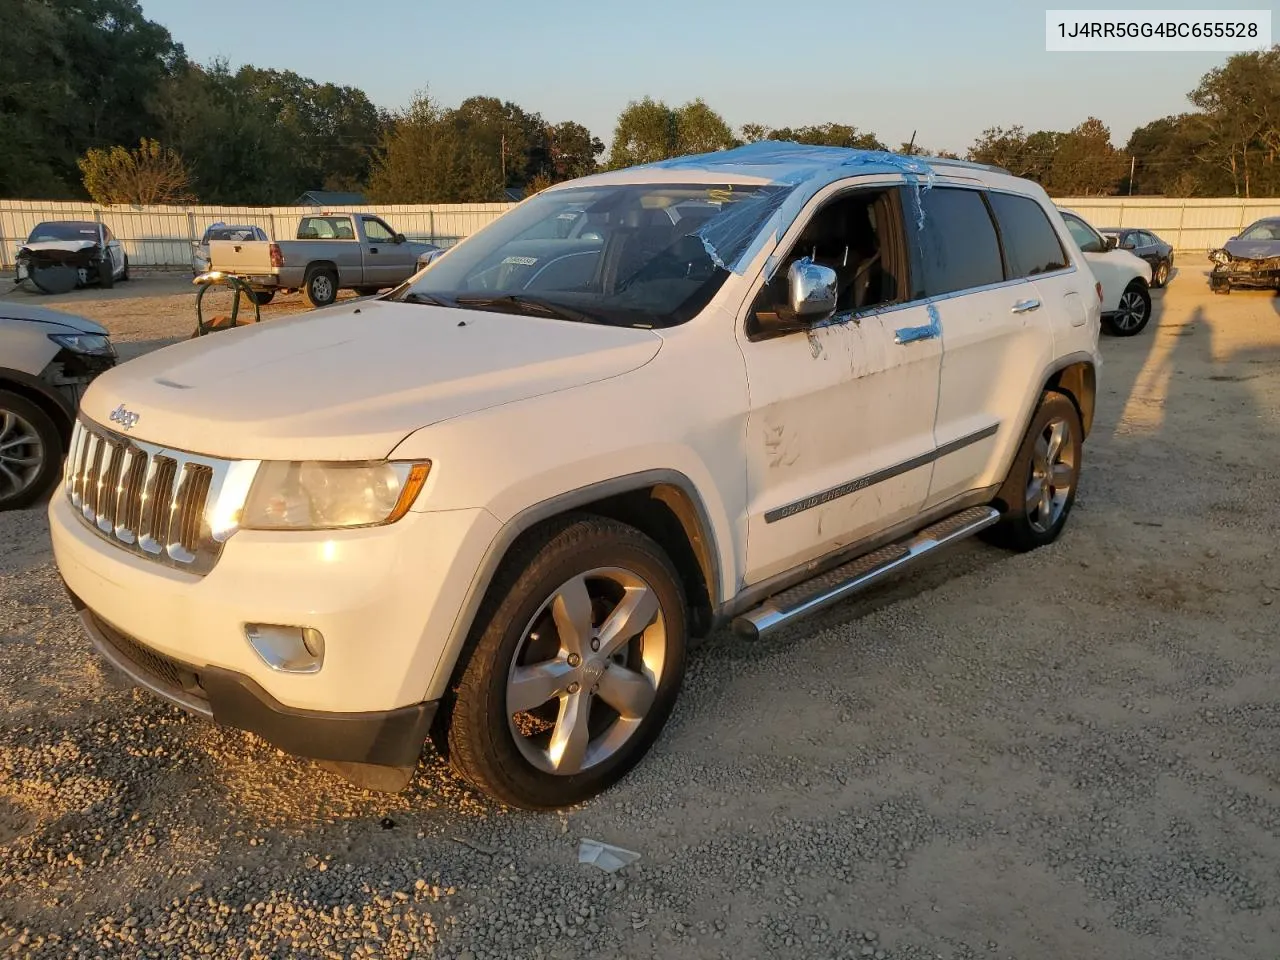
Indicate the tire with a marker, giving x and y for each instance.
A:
(1161, 274)
(1025, 523)
(106, 275)
(368, 291)
(124, 277)
(30, 452)
(582, 558)
(1134, 312)
(322, 286)
(262, 297)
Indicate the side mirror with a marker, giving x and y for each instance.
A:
(398, 238)
(1108, 243)
(811, 290)
(1229, 239)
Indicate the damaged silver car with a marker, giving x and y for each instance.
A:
(60, 255)
(1250, 260)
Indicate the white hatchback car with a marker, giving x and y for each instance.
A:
(494, 504)
(1125, 278)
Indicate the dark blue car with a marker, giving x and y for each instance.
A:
(1251, 259)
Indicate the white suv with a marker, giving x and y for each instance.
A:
(1124, 276)
(493, 504)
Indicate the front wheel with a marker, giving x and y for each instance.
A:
(1133, 313)
(322, 287)
(106, 273)
(30, 452)
(124, 274)
(1040, 489)
(576, 666)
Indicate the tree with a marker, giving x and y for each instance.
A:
(1240, 102)
(648, 131)
(426, 157)
(1084, 163)
(572, 152)
(149, 175)
(75, 74)
(822, 135)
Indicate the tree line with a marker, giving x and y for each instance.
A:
(98, 101)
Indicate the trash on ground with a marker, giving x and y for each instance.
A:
(605, 856)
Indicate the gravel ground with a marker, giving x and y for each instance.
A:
(1070, 753)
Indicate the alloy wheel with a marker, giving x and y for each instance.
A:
(586, 671)
(21, 455)
(1132, 312)
(1053, 475)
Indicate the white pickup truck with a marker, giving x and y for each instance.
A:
(332, 252)
(492, 506)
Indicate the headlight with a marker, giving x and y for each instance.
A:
(329, 496)
(1219, 256)
(92, 343)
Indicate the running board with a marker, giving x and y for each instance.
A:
(844, 581)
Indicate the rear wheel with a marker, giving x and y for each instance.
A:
(106, 273)
(368, 291)
(30, 451)
(1133, 312)
(1162, 274)
(125, 275)
(1040, 489)
(322, 287)
(262, 297)
(576, 666)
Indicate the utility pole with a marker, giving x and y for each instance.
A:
(911, 145)
(504, 161)
(1132, 161)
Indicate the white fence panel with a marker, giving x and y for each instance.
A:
(162, 236)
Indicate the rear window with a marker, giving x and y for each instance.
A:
(960, 249)
(326, 228)
(1031, 245)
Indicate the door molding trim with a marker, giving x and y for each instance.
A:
(880, 476)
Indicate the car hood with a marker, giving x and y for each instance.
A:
(21, 311)
(1252, 249)
(349, 383)
(66, 246)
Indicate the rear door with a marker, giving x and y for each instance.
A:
(386, 262)
(996, 302)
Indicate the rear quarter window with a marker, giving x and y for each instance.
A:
(959, 247)
(1031, 245)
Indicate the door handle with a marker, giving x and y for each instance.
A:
(1026, 306)
(373, 249)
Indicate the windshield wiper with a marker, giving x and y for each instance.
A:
(416, 296)
(534, 303)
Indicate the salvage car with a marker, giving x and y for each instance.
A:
(492, 506)
(220, 231)
(1125, 278)
(60, 255)
(47, 359)
(1148, 246)
(332, 252)
(1250, 260)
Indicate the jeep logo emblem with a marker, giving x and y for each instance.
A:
(126, 418)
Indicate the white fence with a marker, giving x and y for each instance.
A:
(1193, 225)
(162, 236)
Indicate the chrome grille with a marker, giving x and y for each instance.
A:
(174, 507)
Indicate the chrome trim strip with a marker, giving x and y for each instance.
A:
(888, 473)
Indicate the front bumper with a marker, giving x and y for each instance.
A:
(1259, 274)
(392, 738)
(385, 600)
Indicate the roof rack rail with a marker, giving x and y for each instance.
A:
(968, 164)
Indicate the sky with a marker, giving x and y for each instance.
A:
(942, 68)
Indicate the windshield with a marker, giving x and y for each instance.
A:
(620, 254)
(1263, 230)
(72, 230)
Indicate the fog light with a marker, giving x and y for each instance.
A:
(287, 649)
